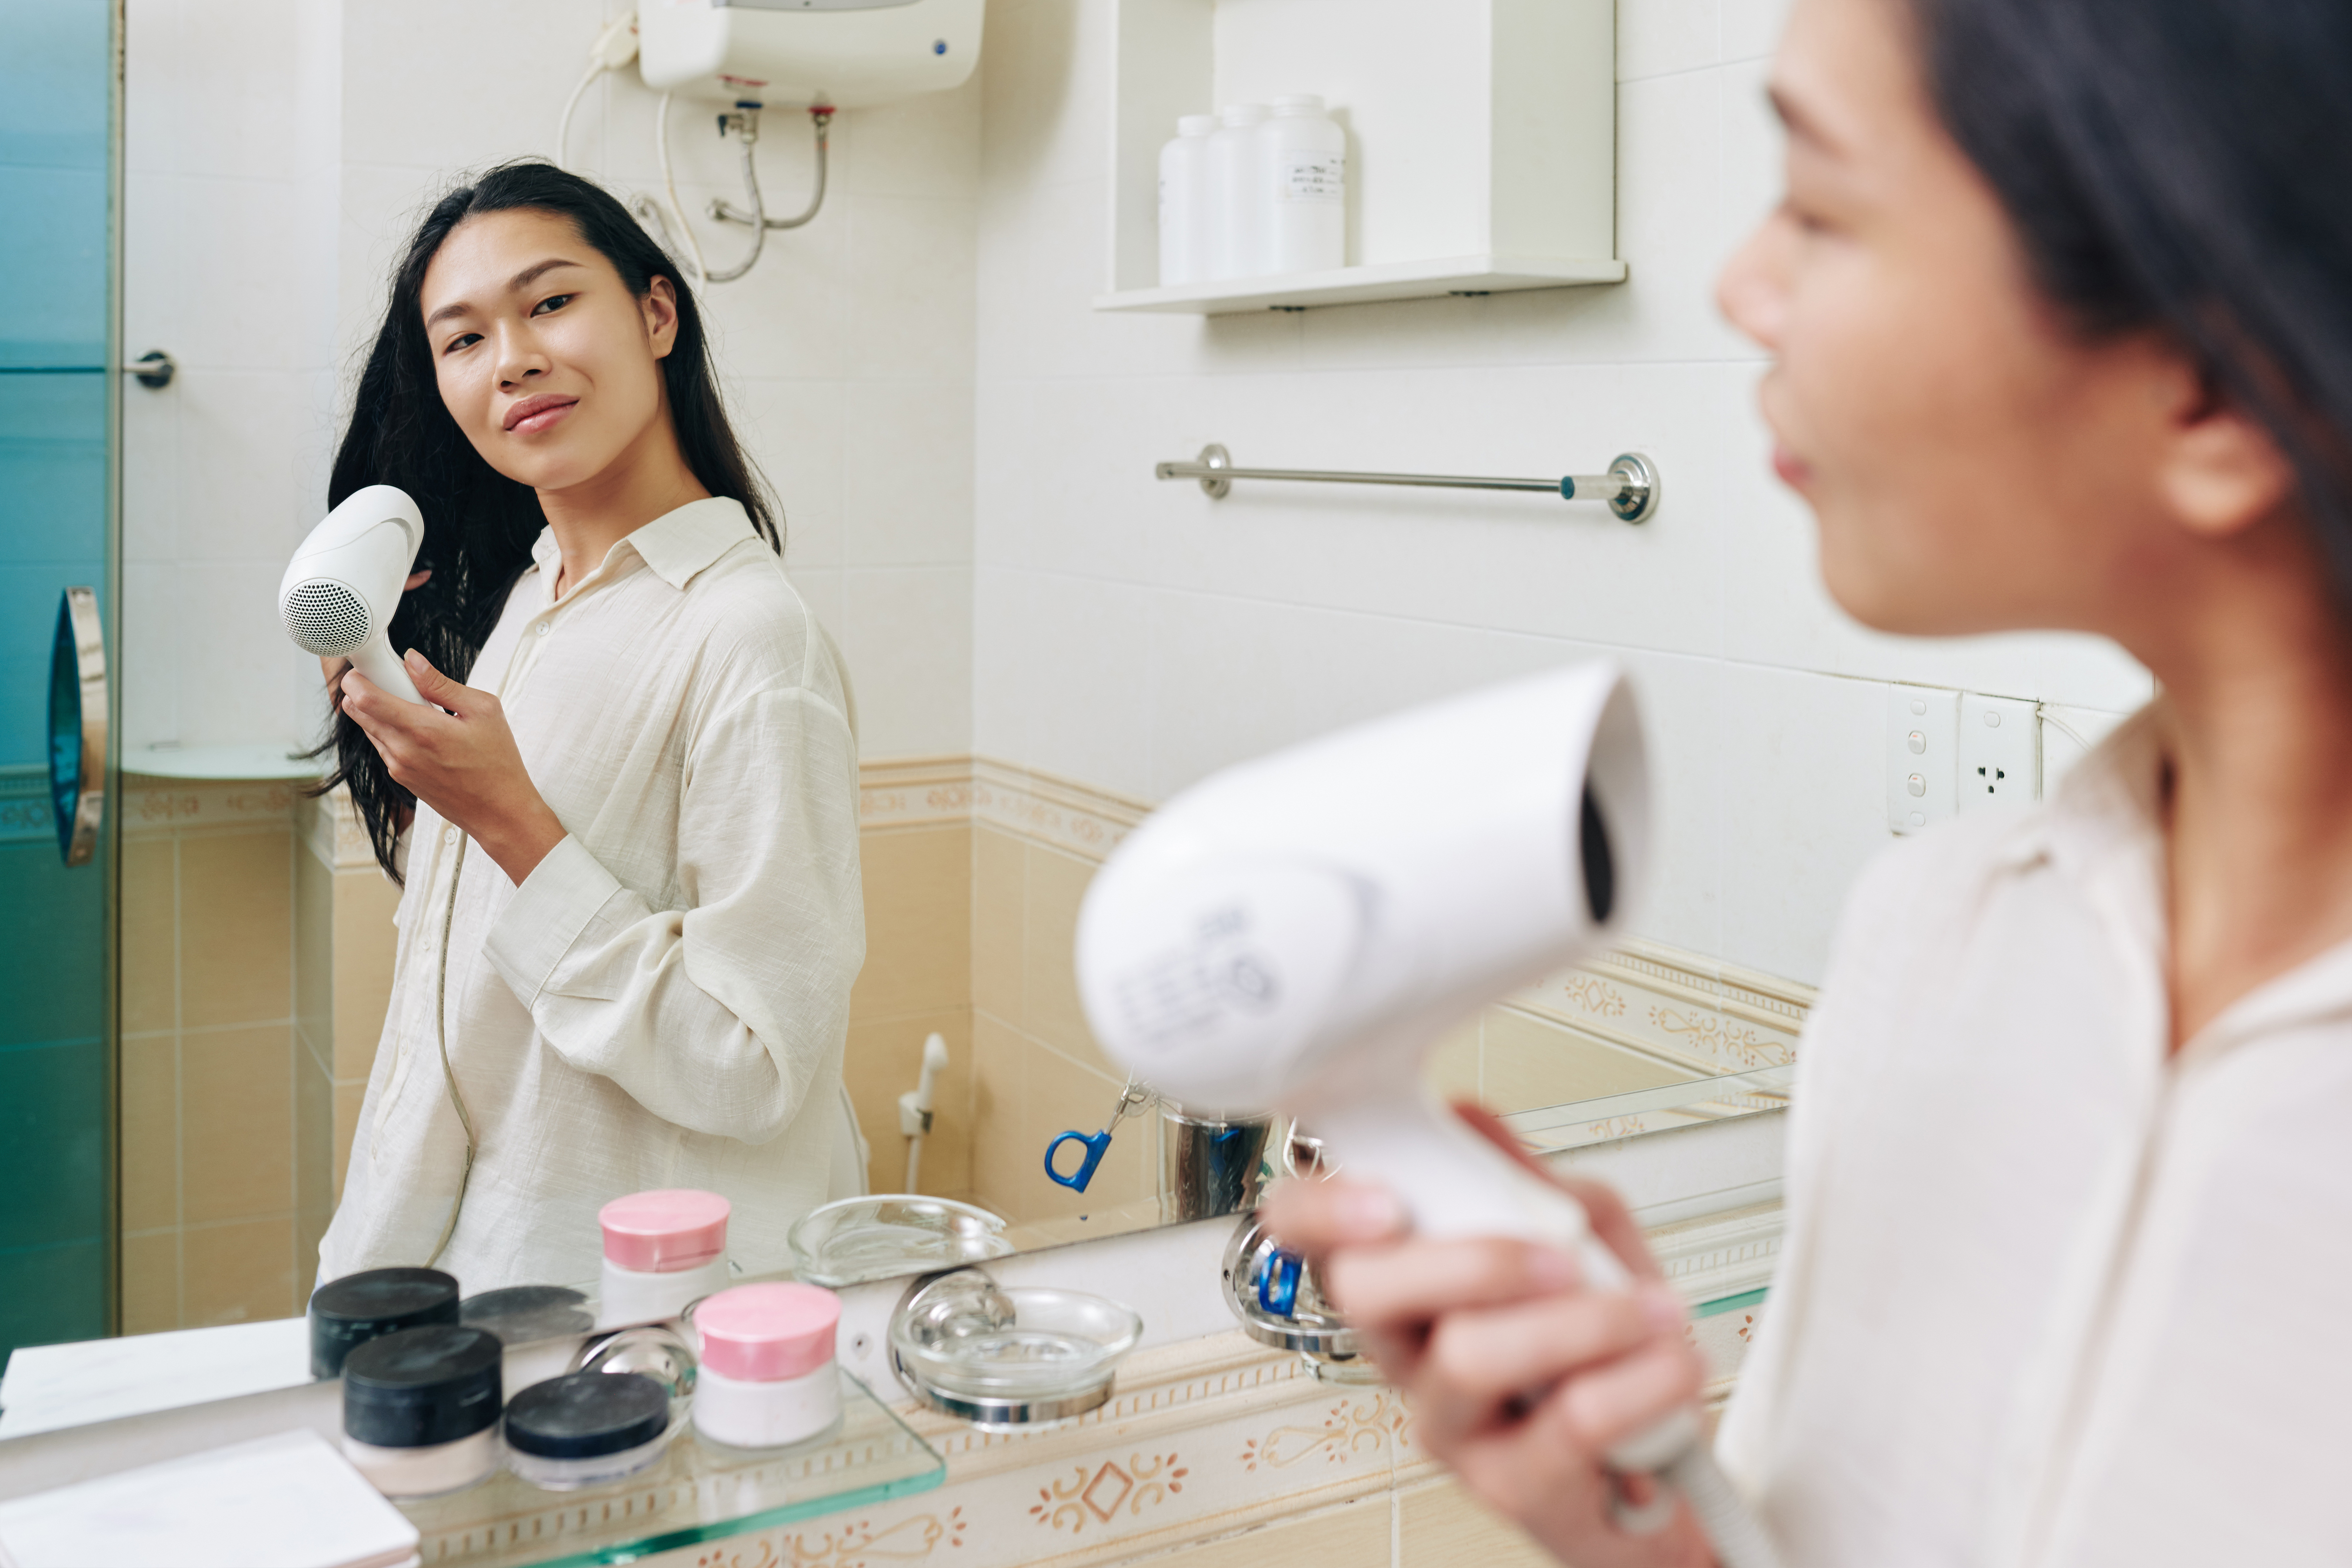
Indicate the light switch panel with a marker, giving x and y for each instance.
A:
(1999, 751)
(1922, 755)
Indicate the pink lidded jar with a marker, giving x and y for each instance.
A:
(663, 1250)
(767, 1378)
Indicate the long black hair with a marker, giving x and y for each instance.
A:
(479, 525)
(2183, 166)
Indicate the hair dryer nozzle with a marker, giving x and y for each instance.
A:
(344, 583)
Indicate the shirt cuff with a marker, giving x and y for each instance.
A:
(546, 916)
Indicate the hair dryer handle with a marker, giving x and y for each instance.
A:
(375, 659)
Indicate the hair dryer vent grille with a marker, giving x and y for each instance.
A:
(325, 617)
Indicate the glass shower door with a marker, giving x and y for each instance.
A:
(58, 391)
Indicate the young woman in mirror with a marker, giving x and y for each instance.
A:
(2060, 306)
(631, 911)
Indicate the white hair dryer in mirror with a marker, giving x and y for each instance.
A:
(1294, 933)
(344, 583)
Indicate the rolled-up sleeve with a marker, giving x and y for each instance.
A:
(718, 1016)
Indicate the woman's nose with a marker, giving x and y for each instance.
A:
(519, 358)
(1751, 291)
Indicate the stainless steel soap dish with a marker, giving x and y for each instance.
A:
(891, 1235)
(1008, 1359)
(1280, 1303)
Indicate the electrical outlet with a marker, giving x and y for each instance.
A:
(1922, 755)
(2000, 752)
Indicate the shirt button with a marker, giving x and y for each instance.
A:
(542, 628)
(449, 835)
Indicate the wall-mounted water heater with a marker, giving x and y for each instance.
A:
(798, 54)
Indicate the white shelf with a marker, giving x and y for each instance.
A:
(1360, 285)
(256, 759)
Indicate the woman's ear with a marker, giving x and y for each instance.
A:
(660, 305)
(2221, 471)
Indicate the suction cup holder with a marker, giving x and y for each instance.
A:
(1274, 1293)
(1007, 1360)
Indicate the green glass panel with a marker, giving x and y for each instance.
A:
(695, 1493)
(56, 120)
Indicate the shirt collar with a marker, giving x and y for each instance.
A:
(676, 545)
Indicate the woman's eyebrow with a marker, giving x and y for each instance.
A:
(515, 285)
(1798, 121)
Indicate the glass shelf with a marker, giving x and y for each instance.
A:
(697, 1493)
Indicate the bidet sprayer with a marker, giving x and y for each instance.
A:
(1295, 934)
(340, 589)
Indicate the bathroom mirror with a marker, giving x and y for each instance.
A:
(1045, 638)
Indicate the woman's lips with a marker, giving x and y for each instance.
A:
(536, 414)
(1794, 472)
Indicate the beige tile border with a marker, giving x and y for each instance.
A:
(158, 807)
(1059, 812)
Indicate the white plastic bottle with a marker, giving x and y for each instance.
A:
(1185, 228)
(1237, 192)
(1305, 157)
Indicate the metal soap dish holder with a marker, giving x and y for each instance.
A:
(1280, 1302)
(1005, 1360)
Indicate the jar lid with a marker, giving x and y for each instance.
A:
(664, 1231)
(348, 1313)
(582, 1415)
(765, 1333)
(525, 1314)
(421, 1388)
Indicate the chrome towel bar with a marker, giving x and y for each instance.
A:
(1630, 487)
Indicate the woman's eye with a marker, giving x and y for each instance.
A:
(462, 340)
(553, 302)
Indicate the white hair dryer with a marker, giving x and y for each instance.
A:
(340, 589)
(1294, 933)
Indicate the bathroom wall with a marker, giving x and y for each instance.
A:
(1137, 634)
(225, 1115)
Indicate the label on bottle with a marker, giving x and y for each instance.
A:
(1311, 177)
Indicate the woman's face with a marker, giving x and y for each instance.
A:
(1974, 466)
(547, 362)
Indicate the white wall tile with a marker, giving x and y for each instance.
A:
(1659, 37)
(907, 464)
(1075, 660)
(1800, 765)
(1045, 68)
(909, 303)
(1751, 28)
(240, 459)
(793, 431)
(906, 636)
(238, 58)
(448, 84)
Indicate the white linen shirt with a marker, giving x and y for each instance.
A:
(663, 1002)
(2051, 1298)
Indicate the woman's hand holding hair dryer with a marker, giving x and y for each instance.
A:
(1520, 1378)
(463, 763)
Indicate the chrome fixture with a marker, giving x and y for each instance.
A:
(1007, 1359)
(1275, 1294)
(154, 369)
(1630, 487)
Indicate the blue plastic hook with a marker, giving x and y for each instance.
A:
(1277, 1282)
(1076, 1180)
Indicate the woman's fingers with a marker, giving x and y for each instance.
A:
(1414, 1281)
(1622, 1399)
(1487, 1359)
(1315, 1216)
(1613, 1222)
